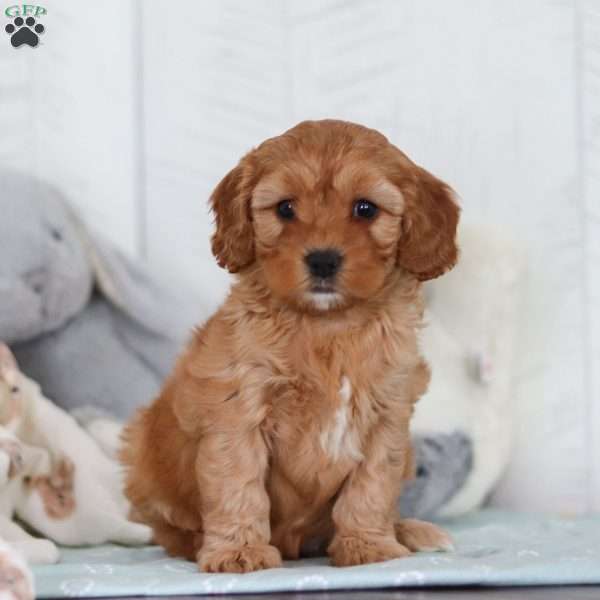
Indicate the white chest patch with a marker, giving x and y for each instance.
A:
(339, 439)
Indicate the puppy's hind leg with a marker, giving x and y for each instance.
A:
(177, 542)
(420, 536)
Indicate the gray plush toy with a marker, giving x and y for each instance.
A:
(91, 327)
(443, 461)
(100, 334)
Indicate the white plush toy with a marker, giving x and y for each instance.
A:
(20, 464)
(54, 476)
(470, 343)
(16, 579)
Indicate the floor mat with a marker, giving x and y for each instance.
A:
(492, 548)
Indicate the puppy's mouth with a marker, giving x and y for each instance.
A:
(323, 295)
(323, 287)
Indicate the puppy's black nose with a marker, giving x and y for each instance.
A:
(323, 263)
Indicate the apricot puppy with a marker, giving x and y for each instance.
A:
(285, 424)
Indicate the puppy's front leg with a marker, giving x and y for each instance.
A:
(231, 469)
(364, 513)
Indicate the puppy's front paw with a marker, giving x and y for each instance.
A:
(348, 551)
(239, 559)
(420, 536)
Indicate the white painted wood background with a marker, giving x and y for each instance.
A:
(138, 108)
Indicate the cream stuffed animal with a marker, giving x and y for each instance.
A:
(16, 579)
(470, 345)
(20, 464)
(54, 476)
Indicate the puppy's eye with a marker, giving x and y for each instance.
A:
(285, 209)
(14, 389)
(364, 209)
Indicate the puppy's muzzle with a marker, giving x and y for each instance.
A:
(323, 264)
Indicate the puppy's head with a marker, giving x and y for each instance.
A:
(327, 211)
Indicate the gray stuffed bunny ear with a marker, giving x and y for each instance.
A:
(152, 317)
(129, 287)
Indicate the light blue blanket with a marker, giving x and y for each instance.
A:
(492, 548)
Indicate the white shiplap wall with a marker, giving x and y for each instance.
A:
(588, 110)
(138, 110)
(67, 110)
(213, 86)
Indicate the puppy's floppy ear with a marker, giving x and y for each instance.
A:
(427, 246)
(233, 240)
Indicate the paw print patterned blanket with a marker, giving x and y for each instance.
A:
(492, 548)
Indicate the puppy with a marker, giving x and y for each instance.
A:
(285, 423)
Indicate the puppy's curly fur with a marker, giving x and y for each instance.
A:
(285, 423)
